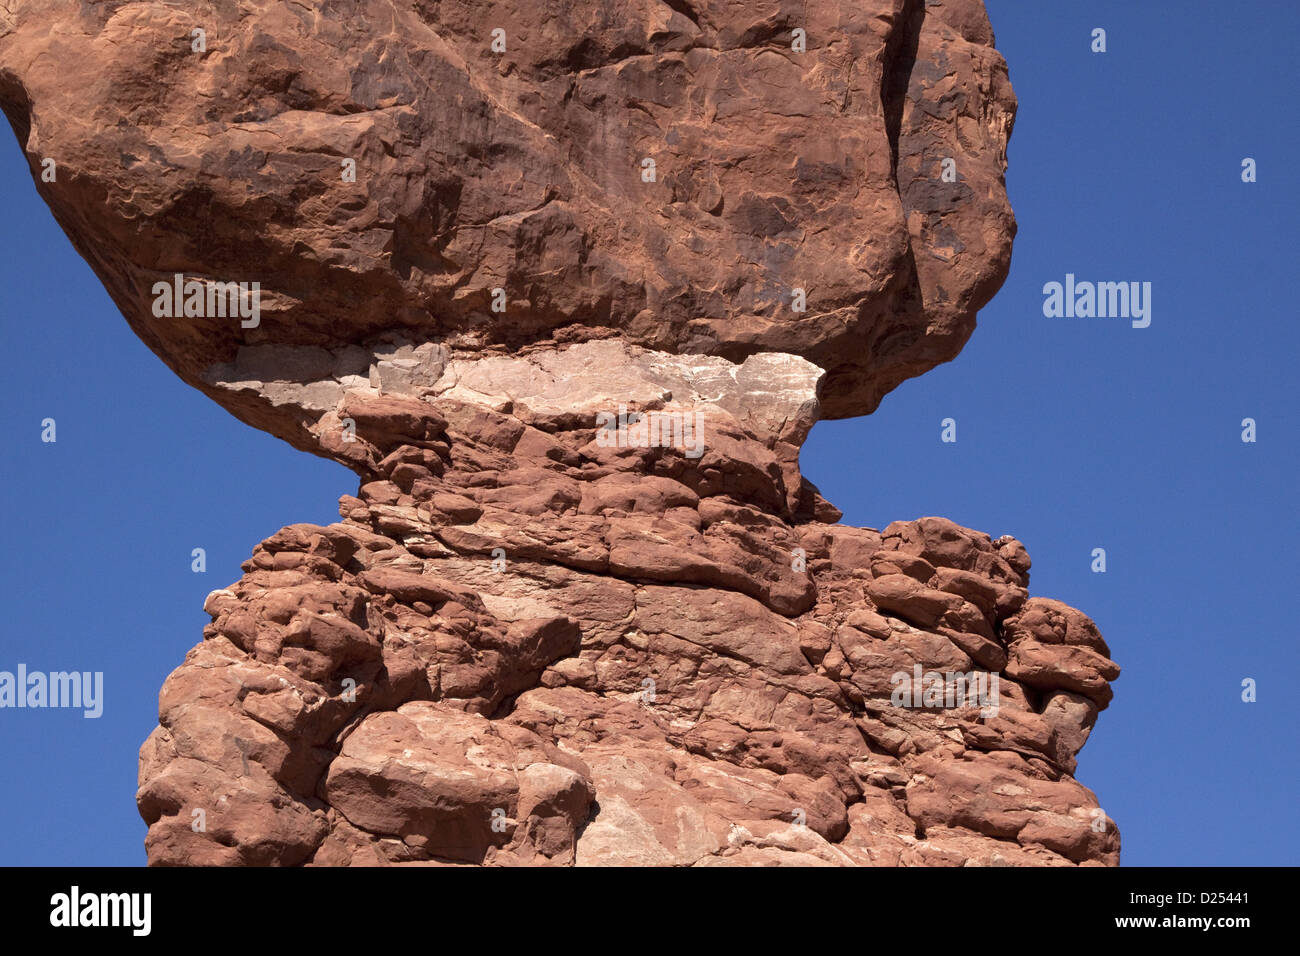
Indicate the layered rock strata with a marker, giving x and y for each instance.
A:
(542, 634)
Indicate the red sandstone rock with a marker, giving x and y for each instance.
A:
(584, 608)
(603, 709)
(523, 170)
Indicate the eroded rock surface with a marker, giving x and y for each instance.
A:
(584, 608)
(622, 654)
(524, 170)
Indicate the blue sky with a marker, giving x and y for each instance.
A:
(1073, 434)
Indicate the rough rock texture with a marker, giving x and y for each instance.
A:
(523, 170)
(622, 654)
(584, 607)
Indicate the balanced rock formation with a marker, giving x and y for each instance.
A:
(567, 286)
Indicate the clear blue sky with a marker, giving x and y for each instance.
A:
(1073, 434)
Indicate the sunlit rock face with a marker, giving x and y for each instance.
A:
(567, 285)
(683, 176)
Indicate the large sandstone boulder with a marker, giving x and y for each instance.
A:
(782, 161)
